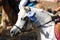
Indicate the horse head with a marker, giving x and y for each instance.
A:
(21, 21)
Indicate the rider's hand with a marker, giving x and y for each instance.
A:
(54, 12)
(55, 18)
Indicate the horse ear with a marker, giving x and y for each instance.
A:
(26, 18)
(27, 9)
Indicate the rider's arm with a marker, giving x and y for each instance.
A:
(58, 9)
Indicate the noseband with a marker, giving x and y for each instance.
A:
(26, 19)
(17, 27)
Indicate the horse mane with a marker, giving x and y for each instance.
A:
(10, 8)
(0, 3)
(12, 3)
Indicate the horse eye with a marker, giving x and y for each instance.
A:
(22, 19)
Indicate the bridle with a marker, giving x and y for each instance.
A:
(17, 27)
(26, 19)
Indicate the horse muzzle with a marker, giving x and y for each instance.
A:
(13, 33)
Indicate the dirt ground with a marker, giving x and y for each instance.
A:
(26, 36)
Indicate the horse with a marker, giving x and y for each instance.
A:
(7, 5)
(46, 32)
(7, 11)
(10, 10)
(39, 4)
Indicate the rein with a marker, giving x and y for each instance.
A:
(52, 20)
(31, 22)
(17, 27)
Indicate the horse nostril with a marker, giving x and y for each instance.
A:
(12, 32)
(16, 34)
(21, 18)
